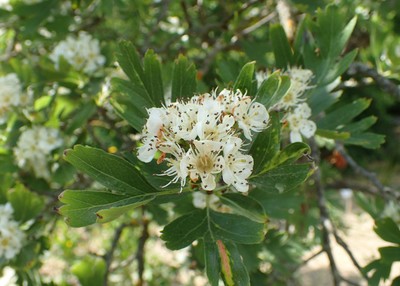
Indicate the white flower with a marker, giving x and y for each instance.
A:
(251, 116)
(203, 161)
(11, 95)
(299, 123)
(11, 237)
(238, 167)
(194, 138)
(209, 126)
(299, 83)
(82, 52)
(33, 148)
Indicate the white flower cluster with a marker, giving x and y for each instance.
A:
(298, 111)
(33, 149)
(11, 96)
(200, 139)
(11, 236)
(82, 52)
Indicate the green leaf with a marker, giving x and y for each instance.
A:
(130, 102)
(85, 207)
(152, 78)
(282, 178)
(340, 116)
(246, 206)
(281, 47)
(330, 31)
(388, 230)
(90, 271)
(390, 253)
(129, 60)
(273, 89)
(367, 140)
(244, 81)
(185, 229)
(211, 258)
(235, 228)
(361, 125)
(267, 144)
(26, 204)
(111, 171)
(332, 134)
(337, 69)
(211, 225)
(80, 116)
(277, 205)
(183, 79)
(234, 272)
(7, 164)
(321, 98)
(289, 154)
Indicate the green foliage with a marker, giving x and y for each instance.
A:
(26, 204)
(90, 271)
(86, 207)
(183, 79)
(158, 45)
(109, 170)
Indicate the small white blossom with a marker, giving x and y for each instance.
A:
(11, 237)
(200, 139)
(33, 148)
(299, 124)
(251, 116)
(11, 95)
(238, 167)
(203, 161)
(299, 83)
(82, 52)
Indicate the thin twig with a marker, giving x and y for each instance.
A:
(387, 192)
(324, 215)
(140, 251)
(108, 257)
(346, 248)
(383, 82)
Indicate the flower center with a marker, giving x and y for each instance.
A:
(204, 164)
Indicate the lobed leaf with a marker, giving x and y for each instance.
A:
(152, 78)
(110, 170)
(85, 207)
(282, 178)
(281, 47)
(235, 228)
(367, 140)
(183, 79)
(245, 206)
(184, 230)
(340, 116)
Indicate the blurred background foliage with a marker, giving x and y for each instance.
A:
(219, 37)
